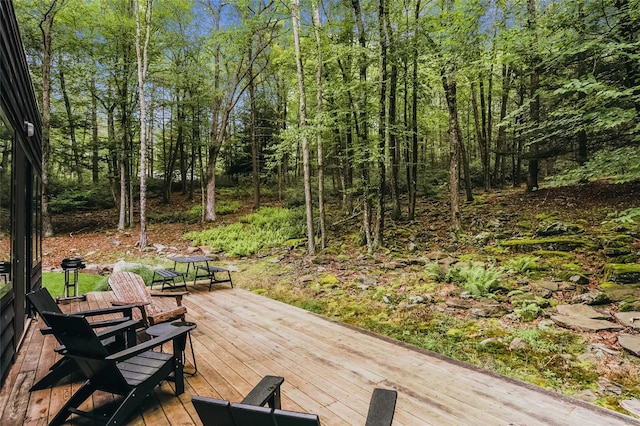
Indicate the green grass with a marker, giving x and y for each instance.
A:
(54, 282)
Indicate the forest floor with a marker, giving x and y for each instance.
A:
(335, 281)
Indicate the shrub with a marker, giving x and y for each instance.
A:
(268, 227)
(476, 280)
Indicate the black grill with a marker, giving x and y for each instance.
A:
(72, 263)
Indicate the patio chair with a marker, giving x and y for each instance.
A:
(130, 289)
(251, 411)
(132, 373)
(119, 333)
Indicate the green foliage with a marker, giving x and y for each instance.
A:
(66, 197)
(528, 311)
(627, 216)
(476, 280)
(268, 227)
(521, 264)
(619, 166)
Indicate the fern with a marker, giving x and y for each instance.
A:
(476, 280)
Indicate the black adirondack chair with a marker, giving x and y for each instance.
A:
(131, 373)
(251, 411)
(118, 333)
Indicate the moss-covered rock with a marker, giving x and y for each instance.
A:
(622, 273)
(554, 244)
(550, 228)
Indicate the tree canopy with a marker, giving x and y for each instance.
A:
(400, 97)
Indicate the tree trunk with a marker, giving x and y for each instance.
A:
(75, 152)
(255, 164)
(534, 105)
(501, 143)
(295, 12)
(362, 127)
(394, 149)
(143, 61)
(413, 183)
(46, 27)
(95, 141)
(378, 239)
(319, 73)
(449, 85)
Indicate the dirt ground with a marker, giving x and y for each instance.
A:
(94, 235)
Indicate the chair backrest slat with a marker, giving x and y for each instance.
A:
(245, 415)
(42, 301)
(293, 418)
(213, 411)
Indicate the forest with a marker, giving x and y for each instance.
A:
(382, 101)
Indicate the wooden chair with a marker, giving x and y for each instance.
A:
(132, 373)
(130, 289)
(119, 333)
(251, 411)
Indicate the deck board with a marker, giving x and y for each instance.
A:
(330, 369)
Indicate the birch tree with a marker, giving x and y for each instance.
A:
(142, 55)
(302, 112)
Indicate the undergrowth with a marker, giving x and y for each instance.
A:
(268, 227)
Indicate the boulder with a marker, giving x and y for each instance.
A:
(630, 342)
(584, 323)
(629, 319)
(580, 311)
(622, 273)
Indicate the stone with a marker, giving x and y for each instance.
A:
(579, 311)
(386, 300)
(546, 324)
(192, 250)
(518, 343)
(592, 298)
(460, 304)
(630, 342)
(622, 273)
(586, 395)
(306, 278)
(579, 279)
(488, 310)
(629, 319)
(416, 299)
(549, 285)
(159, 247)
(584, 323)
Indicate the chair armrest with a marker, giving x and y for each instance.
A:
(170, 294)
(124, 309)
(382, 407)
(118, 329)
(149, 344)
(110, 322)
(177, 294)
(266, 391)
(128, 303)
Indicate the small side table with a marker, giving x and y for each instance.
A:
(165, 327)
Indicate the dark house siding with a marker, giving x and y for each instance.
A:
(17, 106)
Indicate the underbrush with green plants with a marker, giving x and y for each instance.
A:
(268, 227)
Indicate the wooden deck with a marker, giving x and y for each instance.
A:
(329, 369)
